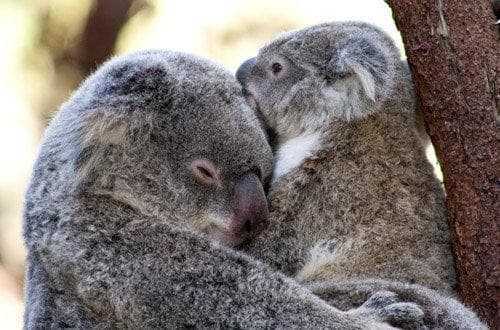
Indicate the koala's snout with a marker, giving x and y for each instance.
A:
(249, 206)
(243, 73)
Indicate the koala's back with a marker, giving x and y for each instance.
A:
(368, 205)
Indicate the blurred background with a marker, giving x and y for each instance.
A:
(49, 46)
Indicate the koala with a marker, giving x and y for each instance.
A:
(144, 179)
(353, 196)
(351, 183)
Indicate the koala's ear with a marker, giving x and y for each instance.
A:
(100, 136)
(363, 60)
(146, 79)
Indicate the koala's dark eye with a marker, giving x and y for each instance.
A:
(276, 67)
(204, 171)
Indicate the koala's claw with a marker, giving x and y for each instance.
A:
(380, 299)
(390, 309)
(403, 314)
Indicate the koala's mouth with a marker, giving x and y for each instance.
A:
(251, 100)
(228, 237)
(235, 234)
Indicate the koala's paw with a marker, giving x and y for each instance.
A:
(388, 307)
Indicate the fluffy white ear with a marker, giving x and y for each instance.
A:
(361, 58)
(100, 135)
(364, 76)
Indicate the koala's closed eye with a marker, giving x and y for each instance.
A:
(204, 171)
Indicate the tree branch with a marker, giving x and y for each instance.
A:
(452, 49)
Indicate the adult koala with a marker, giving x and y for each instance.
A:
(136, 175)
(354, 199)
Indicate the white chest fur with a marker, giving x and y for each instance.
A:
(292, 153)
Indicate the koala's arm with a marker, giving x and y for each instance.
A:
(440, 312)
(150, 275)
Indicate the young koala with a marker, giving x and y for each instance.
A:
(353, 196)
(151, 159)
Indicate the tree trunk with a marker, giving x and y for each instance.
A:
(100, 34)
(73, 59)
(453, 52)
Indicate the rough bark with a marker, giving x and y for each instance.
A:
(453, 51)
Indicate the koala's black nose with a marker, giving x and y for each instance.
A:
(249, 205)
(244, 71)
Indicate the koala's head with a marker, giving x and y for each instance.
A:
(305, 78)
(170, 135)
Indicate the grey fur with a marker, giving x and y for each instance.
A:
(364, 203)
(441, 311)
(114, 219)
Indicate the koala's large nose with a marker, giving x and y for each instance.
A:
(244, 71)
(249, 206)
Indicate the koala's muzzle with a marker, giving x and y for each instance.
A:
(249, 206)
(243, 73)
